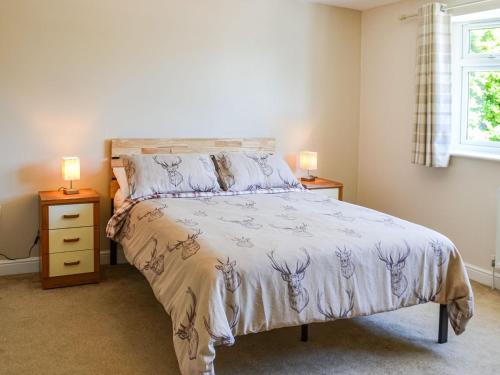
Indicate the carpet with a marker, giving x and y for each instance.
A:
(117, 327)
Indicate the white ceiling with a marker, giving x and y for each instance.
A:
(355, 4)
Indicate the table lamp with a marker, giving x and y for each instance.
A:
(309, 161)
(70, 170)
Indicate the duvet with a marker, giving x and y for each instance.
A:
(224, 265)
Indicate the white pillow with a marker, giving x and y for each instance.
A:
(169, 173)
(244, 171)
(118, 199)
(121, 177)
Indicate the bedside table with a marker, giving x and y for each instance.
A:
(69, 238)
(332, 189)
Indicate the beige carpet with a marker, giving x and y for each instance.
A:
(117, 327)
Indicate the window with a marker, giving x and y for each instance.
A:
(476, 82)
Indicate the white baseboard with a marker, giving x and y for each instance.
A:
(483, 276)
(18, 266)
(120, 257)
(32, 265)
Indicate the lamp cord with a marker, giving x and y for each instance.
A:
(29, 253)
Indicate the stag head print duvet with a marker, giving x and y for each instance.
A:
(224, 265)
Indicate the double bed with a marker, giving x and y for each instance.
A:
(225, 264)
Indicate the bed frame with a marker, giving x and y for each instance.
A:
(209, 145)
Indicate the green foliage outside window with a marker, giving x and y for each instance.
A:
(484, 90)
(485, 40)
(484, 106)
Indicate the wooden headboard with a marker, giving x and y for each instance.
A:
(182, 145)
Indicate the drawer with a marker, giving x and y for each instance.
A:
(332, 193)
(71, 215)
(71, 263)
(71, 239)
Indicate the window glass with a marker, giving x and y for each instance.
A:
(483, 106)
(484, 41)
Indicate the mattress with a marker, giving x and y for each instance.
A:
(224, 265)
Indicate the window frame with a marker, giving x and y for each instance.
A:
(464, 62)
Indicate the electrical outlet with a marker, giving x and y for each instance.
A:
(493, 260)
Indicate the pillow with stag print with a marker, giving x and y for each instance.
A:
(169, 173)
(247, 171)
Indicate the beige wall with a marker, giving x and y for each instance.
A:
(458, 201)
(74, 74)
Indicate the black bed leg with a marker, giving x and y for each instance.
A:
(443, 324)
(112, 252)
(112, 244)
(304, 332)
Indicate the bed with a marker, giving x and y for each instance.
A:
(225, 264)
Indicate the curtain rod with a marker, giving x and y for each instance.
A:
(444, 9)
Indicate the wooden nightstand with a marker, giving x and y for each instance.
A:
(69, 246)
(332, 189)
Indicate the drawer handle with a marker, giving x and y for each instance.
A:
(76, 239)
(75, 263)
(71, 216)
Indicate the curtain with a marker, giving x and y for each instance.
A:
(432, 131)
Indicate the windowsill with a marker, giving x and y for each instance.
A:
(475, 155)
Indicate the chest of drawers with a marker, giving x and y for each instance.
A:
(69, 235)
(332, 189)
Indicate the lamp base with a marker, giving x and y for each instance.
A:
(308, 178)
(71, 191)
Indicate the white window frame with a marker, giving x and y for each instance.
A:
(464, 62)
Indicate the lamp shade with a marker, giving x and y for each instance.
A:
(308, 160)
(70, 168)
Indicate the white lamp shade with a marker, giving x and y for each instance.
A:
(70, 168)
(308, 160)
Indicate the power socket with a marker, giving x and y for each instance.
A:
(493, 261)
